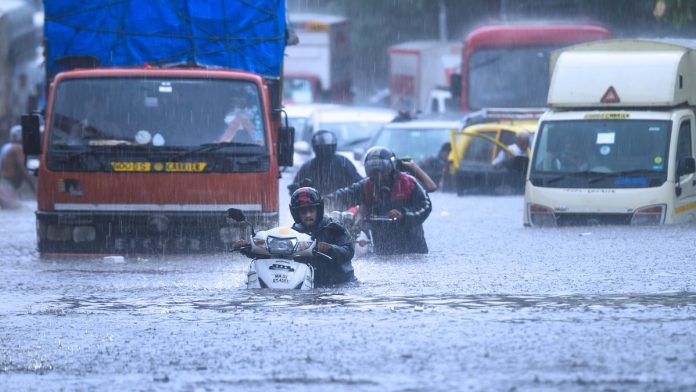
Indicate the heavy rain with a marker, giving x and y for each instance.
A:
(110, 280)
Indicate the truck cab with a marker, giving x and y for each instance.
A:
(140, 155)
(506, 65)
(617, 145)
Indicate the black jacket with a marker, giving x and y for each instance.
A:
(340, 268)
(327, 174)
(406, 195)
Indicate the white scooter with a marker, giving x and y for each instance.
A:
(274, 265)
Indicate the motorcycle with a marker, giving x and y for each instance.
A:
(274, 252)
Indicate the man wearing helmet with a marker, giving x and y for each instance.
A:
(333, 240)
(327, 171)
(388, 192)
(12, 170)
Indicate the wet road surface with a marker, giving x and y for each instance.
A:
(494, 306)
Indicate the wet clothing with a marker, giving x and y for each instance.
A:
(338, 270)
(327, 174)
(405, 195)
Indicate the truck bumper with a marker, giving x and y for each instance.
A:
(142, 232)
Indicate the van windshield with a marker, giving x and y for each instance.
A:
(163, 118)
(601, 154)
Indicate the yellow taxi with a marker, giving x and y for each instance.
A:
(475, 147)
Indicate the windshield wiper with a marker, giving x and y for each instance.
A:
(571, 174)
(208, 147)
(624, 173)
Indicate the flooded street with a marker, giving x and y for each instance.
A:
(494, 306)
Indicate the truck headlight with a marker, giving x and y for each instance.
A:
(650, 215)
(540, 215)
(58, 233)
(84, 233)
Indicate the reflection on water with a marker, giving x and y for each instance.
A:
(318, 300)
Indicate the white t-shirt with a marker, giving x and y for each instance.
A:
(502, 154)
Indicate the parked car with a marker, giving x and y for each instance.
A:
(474, 149)
(354, 128)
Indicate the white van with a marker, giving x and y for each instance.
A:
(617, 145)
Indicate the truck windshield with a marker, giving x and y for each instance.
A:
(509, 77)
(601, 154)
(138, 117)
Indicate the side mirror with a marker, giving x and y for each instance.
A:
(686, 166)
(456, 85)
(286, 149)
(31, 135)
(236, 214)
(302, 147)
(275, 89)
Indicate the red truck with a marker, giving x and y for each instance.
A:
(507, 65)
(143, 151)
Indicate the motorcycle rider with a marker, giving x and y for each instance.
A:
(333, 240)
(327, 171)
(389, 192)
(307, 210)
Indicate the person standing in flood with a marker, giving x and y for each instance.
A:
(12, 170)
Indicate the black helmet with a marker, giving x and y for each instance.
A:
(306, 197)
(324, 143)
(379, 160)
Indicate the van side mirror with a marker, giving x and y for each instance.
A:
(31, 135)
(686, 165)
(286, 144)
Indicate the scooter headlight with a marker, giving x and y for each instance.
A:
(281, 246)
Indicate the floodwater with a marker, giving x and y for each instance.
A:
(493, 307)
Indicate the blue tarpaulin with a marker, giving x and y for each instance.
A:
(246, 35)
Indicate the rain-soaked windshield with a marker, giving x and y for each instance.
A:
(352, 134)
(509, 77)
(601, 153)
(170, 117)
(418, 144)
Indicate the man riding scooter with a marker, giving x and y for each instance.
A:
(333, 240)
(388, 193)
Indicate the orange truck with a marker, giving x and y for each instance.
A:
(149, 137)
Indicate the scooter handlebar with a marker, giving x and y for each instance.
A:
(380, 219)
(324, 255)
